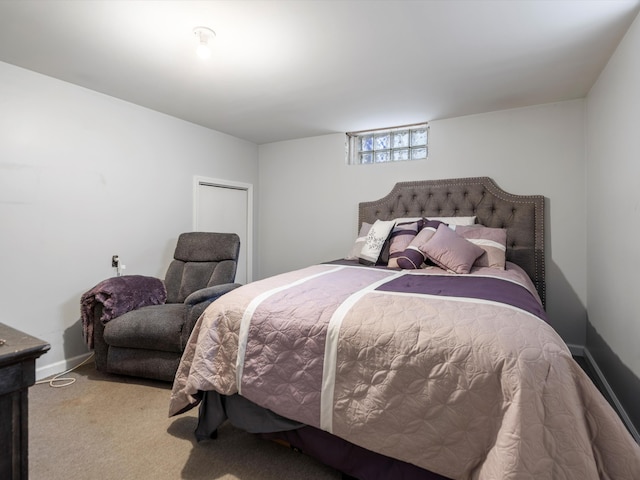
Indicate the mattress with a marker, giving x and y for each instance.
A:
(460, 375)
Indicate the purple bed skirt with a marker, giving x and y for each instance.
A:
(352, 460)
(348, 458)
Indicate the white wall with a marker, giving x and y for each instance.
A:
(613, 201)
(84, 176)
(308, 196)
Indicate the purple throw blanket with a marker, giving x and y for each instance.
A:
(119, 295)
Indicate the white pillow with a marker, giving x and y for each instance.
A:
(455, 220)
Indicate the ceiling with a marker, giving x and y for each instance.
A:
(282, 70)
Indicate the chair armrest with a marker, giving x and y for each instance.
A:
(197, 303)
(210, 293)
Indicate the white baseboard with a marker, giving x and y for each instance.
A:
(61, 367)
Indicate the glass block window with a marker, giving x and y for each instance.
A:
(409, 142)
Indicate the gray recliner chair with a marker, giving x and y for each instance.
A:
(149, 341)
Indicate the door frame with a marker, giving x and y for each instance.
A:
(220, 183)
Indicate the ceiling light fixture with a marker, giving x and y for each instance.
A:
(203, 36)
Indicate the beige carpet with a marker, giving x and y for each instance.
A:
(107, 427)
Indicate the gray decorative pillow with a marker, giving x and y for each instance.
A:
(354, 254)
(375, 240)
(492, 240)
(450, 251)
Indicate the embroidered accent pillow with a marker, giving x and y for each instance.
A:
(375, 240)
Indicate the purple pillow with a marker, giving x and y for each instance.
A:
(401, 236)
(492, 240)
(412, 257)
(450, 251)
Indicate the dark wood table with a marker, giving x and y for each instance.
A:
(18, 353)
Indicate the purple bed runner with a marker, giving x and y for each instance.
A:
(461, 286)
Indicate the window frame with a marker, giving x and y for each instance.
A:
(379, 153)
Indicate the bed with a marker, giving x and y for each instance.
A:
(425, 354)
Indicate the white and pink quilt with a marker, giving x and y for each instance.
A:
(457, 374)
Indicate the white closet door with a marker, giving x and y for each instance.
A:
(223, 206)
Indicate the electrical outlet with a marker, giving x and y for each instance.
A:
(115, 261)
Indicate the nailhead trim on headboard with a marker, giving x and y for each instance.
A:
(521, 215)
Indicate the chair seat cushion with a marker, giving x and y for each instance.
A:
(156, 327)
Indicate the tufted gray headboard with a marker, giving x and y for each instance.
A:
(521, 215)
